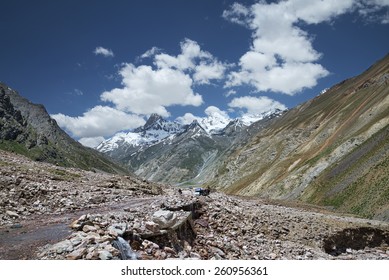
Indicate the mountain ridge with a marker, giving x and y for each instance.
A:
(28, 129)
(183, 149)
(288, 159)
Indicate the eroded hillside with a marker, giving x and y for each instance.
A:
(323, 150)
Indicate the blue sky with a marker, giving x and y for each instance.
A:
(100, 67)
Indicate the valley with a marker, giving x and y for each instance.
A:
(319, 152)
(60, 215)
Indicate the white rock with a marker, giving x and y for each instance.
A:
(61, 247)
(105, 255)
(12, 214)
(164, 218)
(119, 229)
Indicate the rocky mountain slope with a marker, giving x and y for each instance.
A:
(170, 152)
(51, 212)
(332, 150)
(28, 129)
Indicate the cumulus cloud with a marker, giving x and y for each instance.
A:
(146, 90)
(91, 142)
(256, 105)
(193, 60)
(103, 51)
(238, 13)
(281, 57)
(212, 110)
(98, 121)
(207, 71)
(188, 118)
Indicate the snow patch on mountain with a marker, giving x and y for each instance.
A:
(248, 119)
(158, 129)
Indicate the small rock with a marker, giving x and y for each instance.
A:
(15, 226)
(218, 251)
(105, 255)
(272, 256)
(149, 245)
(119, 228)
(93, 237)
(75, 225)
(169, 250)
(77, 254)
(12, 214)
(154, 227)
(88, 228)
(61, 247)
(195, 256)
(92, 254)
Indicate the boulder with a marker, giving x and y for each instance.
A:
(164, 218)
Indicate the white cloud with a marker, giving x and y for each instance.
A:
(188, 118)
(190, 50)
(201, 64)
(205, 72)
(313, 12)
(151, 52)
(98, 121)
(256, 105)
(374, 10)
(230, 92)
(146, 91)
(170, 82)
(91, 142)
(213, 110)
(103, 51)
(237, 14)
(76, 91)
(282, 58)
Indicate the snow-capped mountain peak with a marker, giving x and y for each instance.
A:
(157, 129)
(214, 123)
(248, 119)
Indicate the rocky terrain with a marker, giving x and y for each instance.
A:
(50, 212)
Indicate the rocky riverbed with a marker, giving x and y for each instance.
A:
(57, 213)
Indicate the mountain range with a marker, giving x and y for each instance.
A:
(171, 152)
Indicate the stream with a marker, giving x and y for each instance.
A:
(21, 241)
